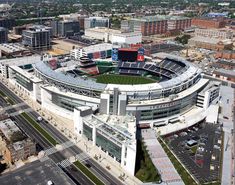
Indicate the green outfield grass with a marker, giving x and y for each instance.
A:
(123, 79)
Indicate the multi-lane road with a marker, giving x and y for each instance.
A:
(77, 176)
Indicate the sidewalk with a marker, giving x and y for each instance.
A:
(104, 159)
(67, 126)
(227, 104)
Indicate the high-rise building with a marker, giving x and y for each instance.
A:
(93, 22)
(3, 35)
(7, 23)
(37, 37)
(65, 28)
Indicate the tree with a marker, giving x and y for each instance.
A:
(17, 136)
(183, 39)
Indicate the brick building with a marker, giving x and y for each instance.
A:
(211, 43)
(226, 54)
(215, 33)
(229, 65)
(17, 145)
(224, 74)
(152, 25)
(209, 22)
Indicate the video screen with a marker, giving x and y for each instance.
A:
(127, 55)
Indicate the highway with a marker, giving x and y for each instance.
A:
(76, 175)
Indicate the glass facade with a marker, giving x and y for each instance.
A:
(113, 149)
(168, 109)
(87, 131)
(24, 82)
(66, 102)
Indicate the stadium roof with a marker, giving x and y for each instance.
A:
(60, 77)
(90, 84)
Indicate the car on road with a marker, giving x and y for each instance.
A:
(39, 118)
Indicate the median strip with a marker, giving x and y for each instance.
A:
(39, 128)
(88, 173)
(47, 136)
(9, 100)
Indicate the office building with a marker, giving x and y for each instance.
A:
(18, 30)
(75, 17)
(37, 37)
(152, 25)
(178, 23)
(7, 23)
(3, 35)
(92, 22)
(65, 28)
(113, 36)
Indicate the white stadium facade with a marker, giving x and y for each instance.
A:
(110, 114)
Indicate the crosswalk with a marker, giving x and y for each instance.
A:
(43, 159)
(50, 151)
(12, 106)
(20, 111)
(82, 157)
(64, 164)
(67, 144)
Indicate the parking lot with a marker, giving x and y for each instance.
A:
(199, 150)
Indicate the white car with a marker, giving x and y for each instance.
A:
(39, 118)
(50, 182)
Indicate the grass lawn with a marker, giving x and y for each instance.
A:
(123, 79)
(146, 171)
(39, 128)
(9, 100)
(194, 149)
(88, 173)
(180, 169)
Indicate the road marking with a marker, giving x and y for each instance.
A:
(50, 151)
(12, 107)
(45, 158)
(64, 164)
(21, 111)
(80, 157)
